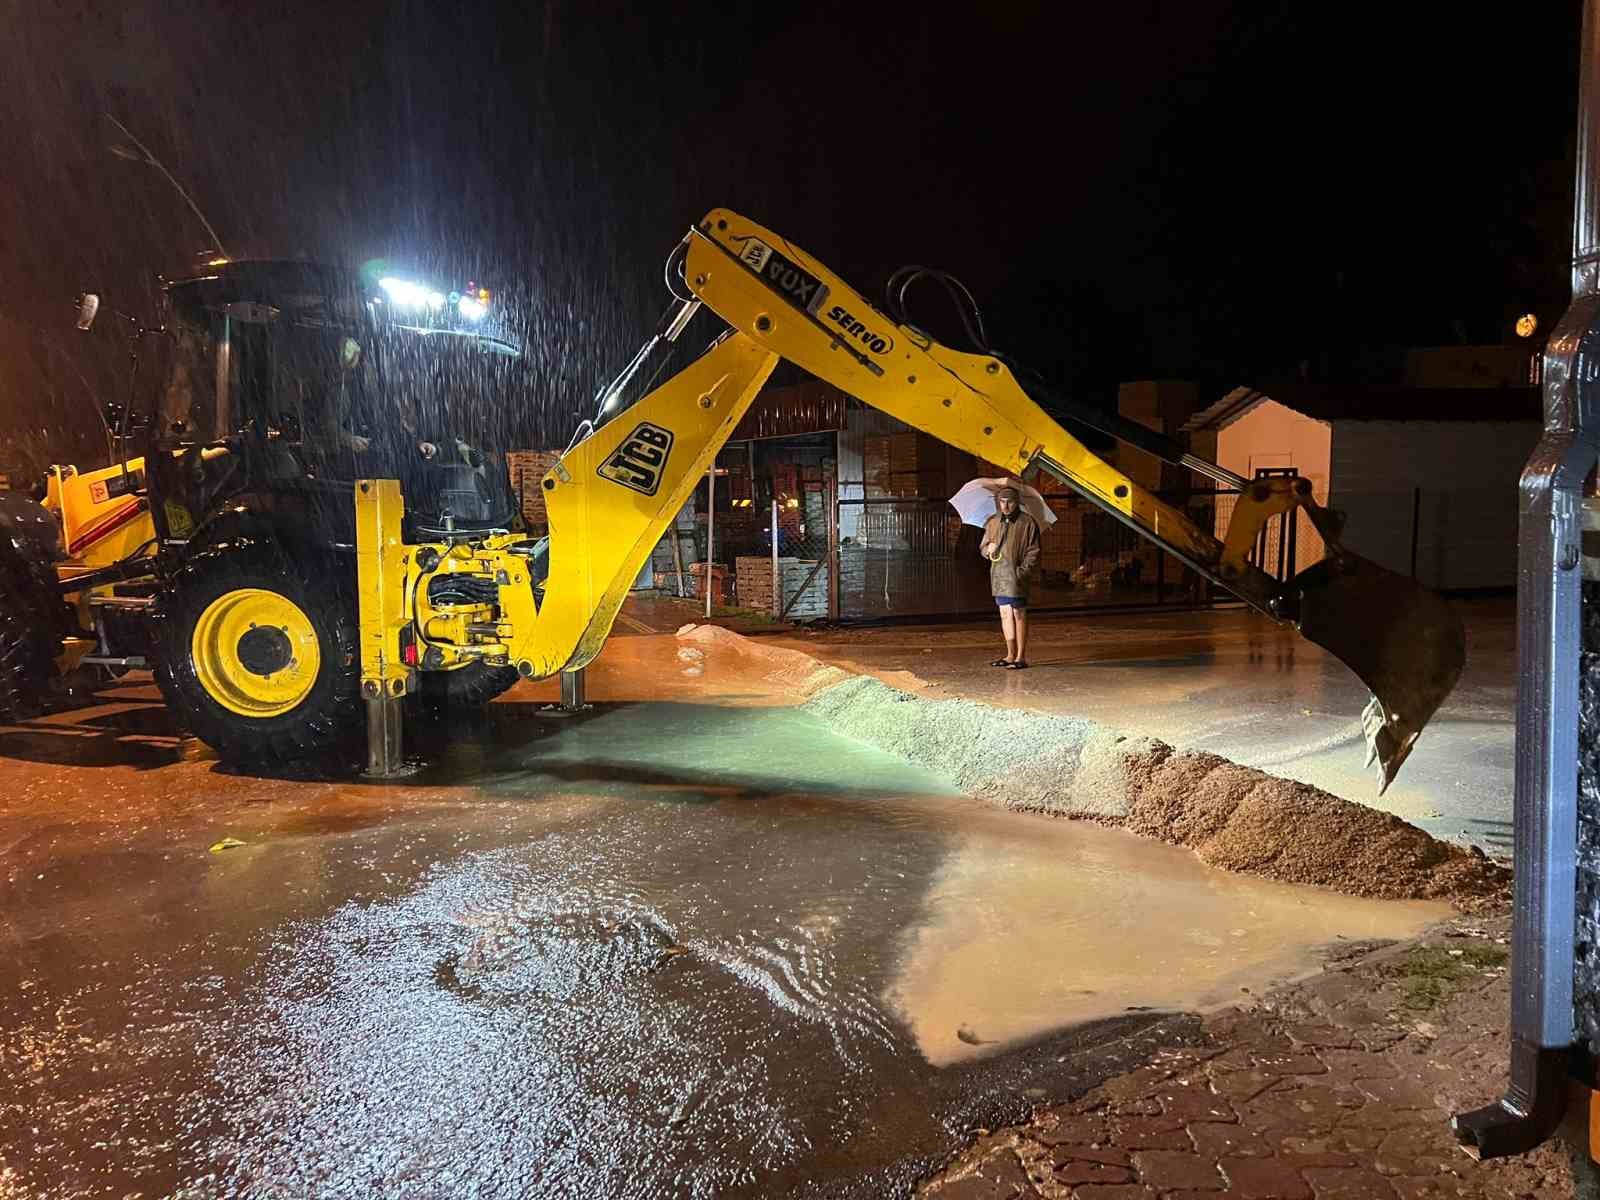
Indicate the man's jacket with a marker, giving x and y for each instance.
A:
(1012, 570)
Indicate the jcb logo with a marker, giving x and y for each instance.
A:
(756, 253)
(640, 460)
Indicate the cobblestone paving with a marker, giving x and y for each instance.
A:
(1341, 1088)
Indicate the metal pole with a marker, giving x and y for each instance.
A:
(1549, 600)
(221, 427)
(1293, 517)
(677, 556)
(711, 528)
(574, 690)
(832, 484)
(777, 576)
(385, 740)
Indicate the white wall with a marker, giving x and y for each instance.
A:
(1467, 517)
(1271, 435)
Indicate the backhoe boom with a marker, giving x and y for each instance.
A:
(614, 493)
(1403, 641)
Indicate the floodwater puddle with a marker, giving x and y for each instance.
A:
(1034, 923)
(656, 950)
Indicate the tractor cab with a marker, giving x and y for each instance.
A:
(285, 382)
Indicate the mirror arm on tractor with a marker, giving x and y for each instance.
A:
(88, 306)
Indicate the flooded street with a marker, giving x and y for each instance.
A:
(1233, 684)
(689, 946)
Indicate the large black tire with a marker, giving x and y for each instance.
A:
(328, 715)
(33, 620)
(467, 687)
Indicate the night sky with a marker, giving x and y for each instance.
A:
(1226, 192)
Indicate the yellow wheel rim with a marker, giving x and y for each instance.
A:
(255, 652)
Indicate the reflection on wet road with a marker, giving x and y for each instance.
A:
(665, 950)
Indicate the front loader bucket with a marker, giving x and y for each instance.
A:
(1402, 640)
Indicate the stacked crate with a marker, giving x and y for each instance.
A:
(810, 604)
(527, 469)
(900, 465)
(753, 581)
(916, 465)
(719, 581)
(875, 465)
(665, 566)
(738, 529)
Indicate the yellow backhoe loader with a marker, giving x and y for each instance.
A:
(427, 598)
(614, 492)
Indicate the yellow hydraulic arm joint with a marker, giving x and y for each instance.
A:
(1258, 503)
(610, 498)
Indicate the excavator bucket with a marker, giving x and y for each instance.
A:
(1402, 640)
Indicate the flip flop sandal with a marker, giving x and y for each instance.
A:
(1001, 662)
(1020, 665)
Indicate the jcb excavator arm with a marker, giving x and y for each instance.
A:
(1403, 641)
(613, 494)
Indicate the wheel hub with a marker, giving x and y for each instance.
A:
(264, 650)
(255, 652)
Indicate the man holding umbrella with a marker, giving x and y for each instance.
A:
(1011, 544)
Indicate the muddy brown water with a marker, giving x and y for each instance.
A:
(665, 949)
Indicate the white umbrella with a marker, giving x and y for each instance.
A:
(975, 501)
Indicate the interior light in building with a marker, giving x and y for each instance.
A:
(1526, 324)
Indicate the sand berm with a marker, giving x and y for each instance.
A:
(1233, 817)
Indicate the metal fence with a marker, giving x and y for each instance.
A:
(903, 557)
(860, 559)
(781, 557)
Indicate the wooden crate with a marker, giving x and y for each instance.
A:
(527, 469)
(753, 581)
(875, 466)
(719, 581)
(904, 452)
(754, 586)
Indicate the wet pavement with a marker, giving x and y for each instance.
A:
(1341, 1088)
(1232, 683)
(688, 943)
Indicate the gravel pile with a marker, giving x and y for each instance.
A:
(790, 671)
(1235, 818)
(1242, 819)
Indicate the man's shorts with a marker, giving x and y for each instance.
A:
(1012, 602)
